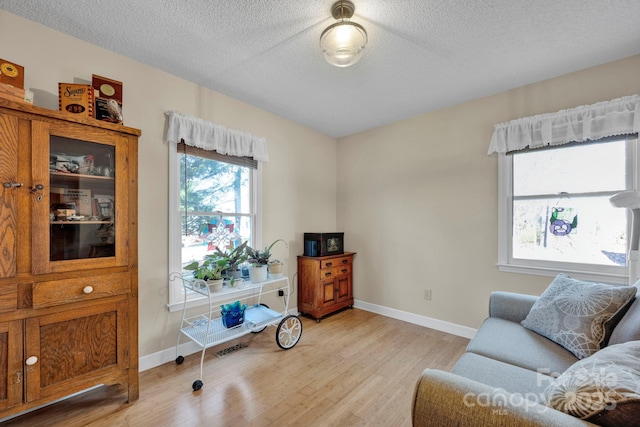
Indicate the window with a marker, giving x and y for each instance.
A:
(214, 203)
(554, 210)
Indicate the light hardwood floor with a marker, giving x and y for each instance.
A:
(353, 368)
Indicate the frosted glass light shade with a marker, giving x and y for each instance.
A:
(343, 42)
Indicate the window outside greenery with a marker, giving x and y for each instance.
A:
(215, 205)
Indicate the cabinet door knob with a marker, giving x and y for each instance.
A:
(35, 188)
(87, 289)
(31, 360)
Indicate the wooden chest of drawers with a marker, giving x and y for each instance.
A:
(325, 284)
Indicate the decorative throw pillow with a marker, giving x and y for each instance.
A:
(603, 389)
(577, 314)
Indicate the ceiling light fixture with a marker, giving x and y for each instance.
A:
(342, 43)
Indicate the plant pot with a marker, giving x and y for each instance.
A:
(258, 273)
(276, 269)
(215, 285)
(234, 283)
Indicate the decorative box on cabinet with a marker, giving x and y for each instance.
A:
(325, 284)
(68, 313)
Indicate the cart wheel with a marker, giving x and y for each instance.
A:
(288, 332)
(257, 331)
(197, 385)
(179, 360)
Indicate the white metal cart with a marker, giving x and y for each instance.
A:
(207, 330)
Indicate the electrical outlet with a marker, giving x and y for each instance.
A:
(280, 292)
(427, 294)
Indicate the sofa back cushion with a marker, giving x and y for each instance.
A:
(628, 328)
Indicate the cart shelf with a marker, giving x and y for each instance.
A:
(256, 317)
(207, 330)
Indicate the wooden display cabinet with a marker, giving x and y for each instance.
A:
(68, 269)
(325, 284)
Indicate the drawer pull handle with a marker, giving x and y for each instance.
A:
(344, 270)
(327, 274)
(31, 360)
(328, 264)
(87, 289)
(345, 261)
(11, 184)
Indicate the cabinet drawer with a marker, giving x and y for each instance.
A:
(328, 273)
(343, 269)
(335, 262)
(66, 291)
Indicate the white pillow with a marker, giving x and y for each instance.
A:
(579, 315)
(603, 389)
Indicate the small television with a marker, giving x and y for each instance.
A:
(323, 244)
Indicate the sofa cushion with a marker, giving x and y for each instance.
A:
(513, 379)
(603, 388)
(511, 343)
(577, 314)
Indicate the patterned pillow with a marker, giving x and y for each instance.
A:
(603, 389)
(578, 314)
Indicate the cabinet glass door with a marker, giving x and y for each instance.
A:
(82, 199)
(78, 184)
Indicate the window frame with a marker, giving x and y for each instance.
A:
(175, 292)
(506, 262)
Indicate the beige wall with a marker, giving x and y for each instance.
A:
(417, 199)
(423, 215)
(295, 199)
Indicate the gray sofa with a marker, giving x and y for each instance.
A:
(506, 368)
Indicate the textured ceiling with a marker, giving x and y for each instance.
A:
(422, 55)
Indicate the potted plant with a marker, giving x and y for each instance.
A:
(259, 261)
(210, 270)
(234, 258)
(276, 267)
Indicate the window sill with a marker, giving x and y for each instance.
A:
(596, 276)
(194, 302)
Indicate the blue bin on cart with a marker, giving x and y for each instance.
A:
(233, 314)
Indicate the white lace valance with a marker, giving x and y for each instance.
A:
(590, 122)
(210, 136)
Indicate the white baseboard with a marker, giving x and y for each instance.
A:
(169, 355)
(163, 356)
(416, 319)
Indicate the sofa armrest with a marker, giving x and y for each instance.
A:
(510, 306)
(443, 399)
